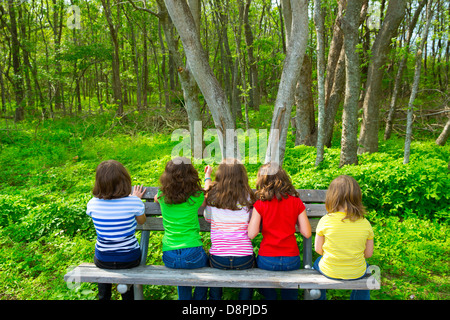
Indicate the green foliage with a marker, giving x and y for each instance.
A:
(49, 171)
(419, 189)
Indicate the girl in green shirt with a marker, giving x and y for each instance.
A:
(180, 197)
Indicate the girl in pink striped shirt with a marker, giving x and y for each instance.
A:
(229, 200)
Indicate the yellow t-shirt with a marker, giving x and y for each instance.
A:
(344, 245)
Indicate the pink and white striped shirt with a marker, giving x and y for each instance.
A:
(229, 231)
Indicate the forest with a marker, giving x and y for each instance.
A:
(337, 87)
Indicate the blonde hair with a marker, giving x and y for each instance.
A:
(344, 193)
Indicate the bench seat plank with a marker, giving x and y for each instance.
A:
(211, 277)
(312, 209)
(156, 224)
(307, 196)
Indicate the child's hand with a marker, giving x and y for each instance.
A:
(208, 171)
(138, 191)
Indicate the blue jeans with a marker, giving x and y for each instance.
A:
(231, 263)
(104, 289)
(279, 264)
(355, 295)
(187, 258)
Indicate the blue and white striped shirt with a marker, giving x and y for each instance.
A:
(115, 224)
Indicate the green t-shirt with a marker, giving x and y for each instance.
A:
(180, 221)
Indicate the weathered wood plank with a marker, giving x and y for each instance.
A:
(307, 196)
(312, 210)
(210, 277)
(156, 224)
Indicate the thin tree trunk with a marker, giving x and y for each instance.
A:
(319, 24)
(113, 29)
(398, 77)
(335, 76)
(349, 139)
(254, 93)
(2, 89)
(15, 49)
(240, 58)
(409, 121)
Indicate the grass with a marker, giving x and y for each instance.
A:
(48, 172)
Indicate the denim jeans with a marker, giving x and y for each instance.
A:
(355, 295)
(187, 258)
(231, 263)
(104, 289)
(279, 264)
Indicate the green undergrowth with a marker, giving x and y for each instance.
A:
(49, 169)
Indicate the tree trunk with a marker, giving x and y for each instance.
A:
(135, 58)
(2, 91)
(305, 122)
(319, 24)
(188, 84)
(26, 60)
(254, 93)
(145, 87)
(15, 50)
(293, 61)
(349, 139)
(240, 59)
(398, 77)
(368, 139)
(409, 121)
(440, 141)
(199, 66)
(57, 23)
(335, 77)
(113, 29)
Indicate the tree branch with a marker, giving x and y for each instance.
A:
(143, 9)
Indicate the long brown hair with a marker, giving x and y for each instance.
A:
(273, 181)
(112, 181)
(179, 181)
(230, 189)
(344, 193)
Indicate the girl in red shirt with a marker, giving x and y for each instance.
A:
(279, 208)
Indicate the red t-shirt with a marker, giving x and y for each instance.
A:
(278, 226)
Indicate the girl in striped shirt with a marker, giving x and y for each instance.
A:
(228, 206)
(115, 213)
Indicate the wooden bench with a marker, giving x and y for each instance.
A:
(307, 278)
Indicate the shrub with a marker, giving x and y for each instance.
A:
(418, 189)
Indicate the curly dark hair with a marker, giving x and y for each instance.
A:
(179, 181)
(273, 181)
(230, 189)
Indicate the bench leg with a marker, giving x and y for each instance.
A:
(139, 288)
(307, 262)
(138, 292)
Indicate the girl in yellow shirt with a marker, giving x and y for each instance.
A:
(344, 238)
